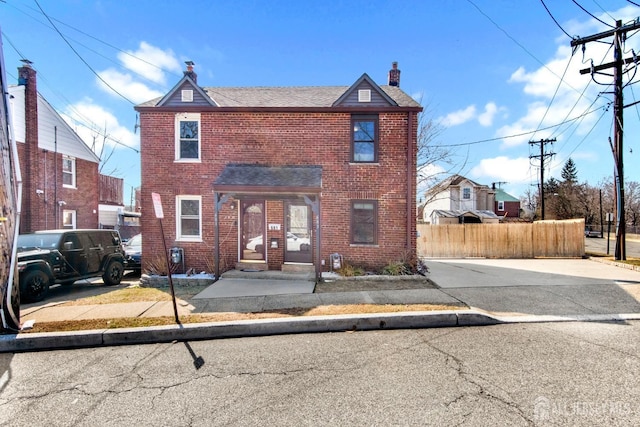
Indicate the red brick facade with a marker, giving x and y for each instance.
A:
(42, 172)
(280, 137)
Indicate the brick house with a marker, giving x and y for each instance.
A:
(280, 178)
(59, 171)
(506, 206)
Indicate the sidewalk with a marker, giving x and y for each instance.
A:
(496, 291)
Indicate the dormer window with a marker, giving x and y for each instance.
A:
(187, 95)
(466, 193)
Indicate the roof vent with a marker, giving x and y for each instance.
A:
(364, 95)
(187, 95)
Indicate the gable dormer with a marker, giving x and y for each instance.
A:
(187, 93)
(365, 93)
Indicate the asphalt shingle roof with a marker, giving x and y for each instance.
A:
(244, 175)
(294, 96)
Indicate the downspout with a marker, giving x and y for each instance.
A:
(410, 159)
(46, 210)
(55, 177)
(15, 317)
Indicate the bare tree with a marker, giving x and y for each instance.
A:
(434, 161)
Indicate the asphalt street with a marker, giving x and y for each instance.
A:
(599, 245)
(579, 374)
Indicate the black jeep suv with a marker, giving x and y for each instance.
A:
(64, 256)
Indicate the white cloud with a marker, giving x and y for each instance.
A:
(91, 121)
(145, 68)
(490, 110)
(566, 99)
(458, 117)
(125, 84)
(150, 62)
(504, 169)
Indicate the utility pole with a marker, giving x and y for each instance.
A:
(542, 156)
(618, 34)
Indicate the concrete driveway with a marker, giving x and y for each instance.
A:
(464, 273)
(539, 287)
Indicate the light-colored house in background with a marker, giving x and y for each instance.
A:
(458, 199)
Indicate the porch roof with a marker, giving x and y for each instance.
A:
(264, 179)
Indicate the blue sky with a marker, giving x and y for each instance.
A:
(485, 70)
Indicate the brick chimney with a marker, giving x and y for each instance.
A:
(190, 73)
(31, 162)
(394, 75)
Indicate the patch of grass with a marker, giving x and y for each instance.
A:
(137, 293)
(629, 261)
(141, 322)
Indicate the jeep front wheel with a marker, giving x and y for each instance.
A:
(35, 286)
(113, 273)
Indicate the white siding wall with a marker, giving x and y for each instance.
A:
(51, 128)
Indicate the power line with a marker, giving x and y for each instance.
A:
(585, 137)
(554, 19)
(93, 127)
(542, 156)
(557, 89)
(520, 134)
(99, 41)
(603, 10)
(519, 44)
(592, 15)
(81, 58)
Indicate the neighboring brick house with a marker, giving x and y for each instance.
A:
(506, 206)
(459, 200)
(280, 177)
(59, 171)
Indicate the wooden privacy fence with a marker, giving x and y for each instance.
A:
(559, 239)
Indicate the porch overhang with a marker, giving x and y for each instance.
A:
(244, 179)
(250, 181)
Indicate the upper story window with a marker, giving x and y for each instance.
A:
(189, 214)
(364, 222)
(68, 172)
(466, 193)
(188, 137)
(364, 146)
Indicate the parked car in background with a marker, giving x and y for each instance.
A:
(62, 257)
(133, 253)
(590, 232)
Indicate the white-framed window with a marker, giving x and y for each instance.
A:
(188, 137)
(68, 218)
(466, 193)
(364, 222)
(68, 172)
(189, 218)
(501, 205)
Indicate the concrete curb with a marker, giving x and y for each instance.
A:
(282, 326)
(242, 328)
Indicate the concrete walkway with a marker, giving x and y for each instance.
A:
(496, 291)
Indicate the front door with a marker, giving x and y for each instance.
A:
(252, 231)
(298, 242)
